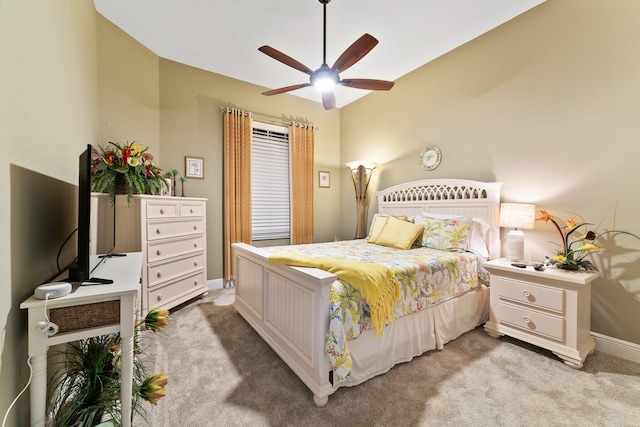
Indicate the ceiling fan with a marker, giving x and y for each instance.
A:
(326, 78)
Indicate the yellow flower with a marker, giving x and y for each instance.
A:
(545, 216)
(558, 258)
(153, 388)
(156, 319)
(133, 161)
(570, 223)
(136, 148)
(589, 247)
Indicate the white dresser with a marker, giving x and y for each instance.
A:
(549, 308)
(171, 234)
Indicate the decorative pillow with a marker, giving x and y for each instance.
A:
(447, 234)
(476, 239)
(378, 222)
(399, 234)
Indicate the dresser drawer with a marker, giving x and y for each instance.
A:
(531, 294)
(533, 321)
(164, 249)
(165, 271)
(188, 209)
(160, 295)
(165, 229)
(162, 209)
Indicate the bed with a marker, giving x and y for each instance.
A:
(289, 306)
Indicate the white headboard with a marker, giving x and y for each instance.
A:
(451, 196)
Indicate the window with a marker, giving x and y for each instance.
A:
(270, 200)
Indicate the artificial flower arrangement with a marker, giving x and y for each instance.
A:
(86, 388)
(125, 164)
(572, 253)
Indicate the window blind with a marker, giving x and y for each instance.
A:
(270, 190)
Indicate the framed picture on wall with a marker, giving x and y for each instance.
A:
(193, 167)
(324, 179)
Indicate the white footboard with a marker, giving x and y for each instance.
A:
(289, 308)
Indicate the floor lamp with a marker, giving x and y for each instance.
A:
(361, 173)
(516, 216)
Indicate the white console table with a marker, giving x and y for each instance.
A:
(123, 292)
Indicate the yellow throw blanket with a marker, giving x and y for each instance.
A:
(376, 283)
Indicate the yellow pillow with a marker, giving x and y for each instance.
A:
(399, 234)
(379, 222)
(376, 226)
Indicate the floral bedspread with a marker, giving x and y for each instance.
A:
(427, 277)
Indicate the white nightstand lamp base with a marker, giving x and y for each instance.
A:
(515, 245)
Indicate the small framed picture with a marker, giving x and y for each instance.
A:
(166, 187)
(324, 179)
(193, 167)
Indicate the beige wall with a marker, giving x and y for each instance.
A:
(547, 104)
(48, 113)
(128, 89)
(191, 124)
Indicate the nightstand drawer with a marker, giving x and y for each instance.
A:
(530, 294)
(533, 321)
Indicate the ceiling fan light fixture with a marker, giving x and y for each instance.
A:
(324, 79)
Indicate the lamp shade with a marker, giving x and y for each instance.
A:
(517, 215)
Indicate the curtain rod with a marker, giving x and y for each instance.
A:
(270, 119)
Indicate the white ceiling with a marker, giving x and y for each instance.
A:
(224, 36)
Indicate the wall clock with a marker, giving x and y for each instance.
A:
(430, 157)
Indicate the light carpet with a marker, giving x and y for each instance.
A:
(221, 373)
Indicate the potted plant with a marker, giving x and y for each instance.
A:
(573, 250)
(85, 390)
(124, 169)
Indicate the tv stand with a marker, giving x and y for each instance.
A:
(123, 294)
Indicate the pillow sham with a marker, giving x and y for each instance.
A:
(447, 234)
(399, 234)
(476, 239)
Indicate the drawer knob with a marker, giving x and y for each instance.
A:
(195, 227)
(162, 211)
(159, 297)
(158, 230)
(159, 252)
(526, 294)
(195, 263)
(195, 282)
(191, 210)
(526, 319)
(195, 245)
(159, 274)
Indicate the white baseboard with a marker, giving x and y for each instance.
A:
(215, 284)
(624, 349)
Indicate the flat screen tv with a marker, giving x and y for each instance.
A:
(80, 271)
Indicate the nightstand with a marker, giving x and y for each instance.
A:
(550, 308)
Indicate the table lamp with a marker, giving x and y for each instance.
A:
(517, 216)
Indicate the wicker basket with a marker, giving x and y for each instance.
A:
(76, 318)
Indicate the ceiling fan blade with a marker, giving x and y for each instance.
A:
(328, 100)
(355, 52)
(285, 59)
(368, 84)
(285, 89)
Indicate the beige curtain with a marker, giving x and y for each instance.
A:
(301, 140)
(237, 184)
